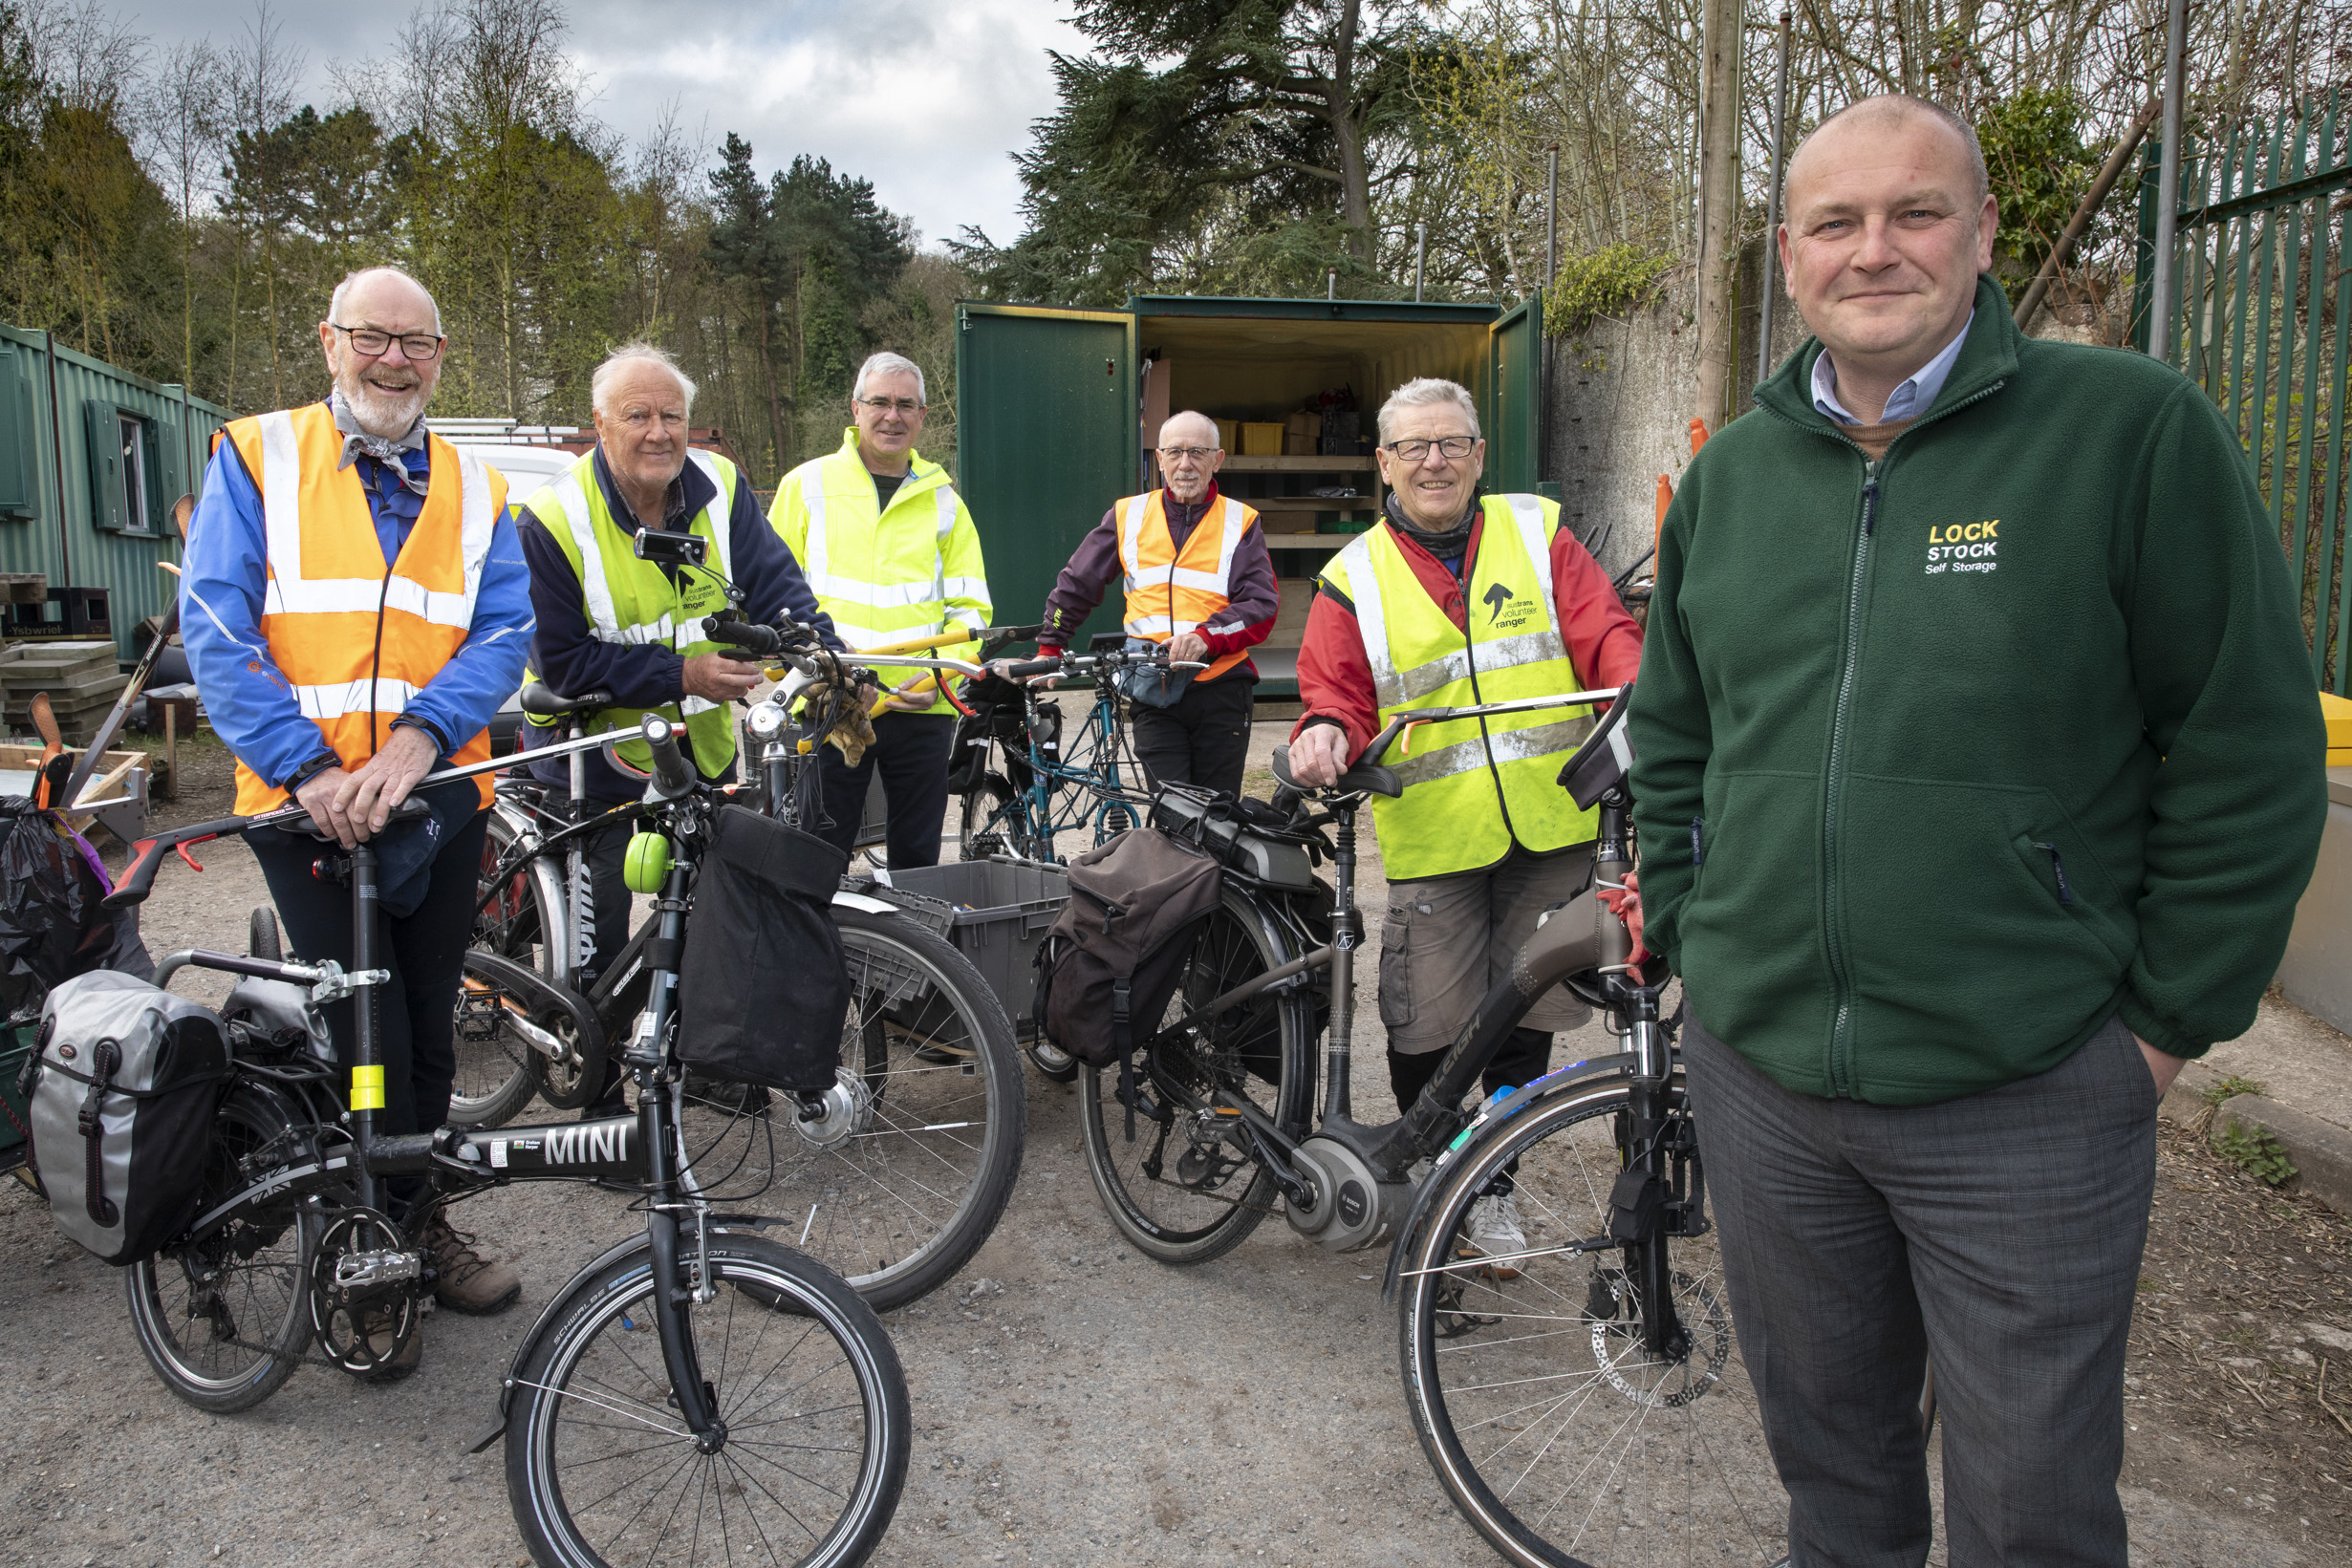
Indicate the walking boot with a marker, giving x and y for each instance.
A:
(464, 1281)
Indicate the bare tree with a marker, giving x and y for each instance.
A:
(259, 83)
(183, 117)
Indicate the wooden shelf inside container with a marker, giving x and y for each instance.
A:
(1307, 541)
(1309, 503)
(1236, 464)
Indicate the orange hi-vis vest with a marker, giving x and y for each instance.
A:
(1169, 590)
(356, 640)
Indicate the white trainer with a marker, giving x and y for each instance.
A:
(1495, 1231)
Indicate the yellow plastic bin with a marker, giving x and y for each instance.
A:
(2338, 712)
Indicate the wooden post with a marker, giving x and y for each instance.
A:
(171, 751)
(1718, 185)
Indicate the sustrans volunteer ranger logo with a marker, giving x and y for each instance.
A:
(1506, 609)
(1964, 547)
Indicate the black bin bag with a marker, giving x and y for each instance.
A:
(763, 988)
(53, 926)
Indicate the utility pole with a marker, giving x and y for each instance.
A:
(1718, 194)
(2168, 188)
(1420, 257)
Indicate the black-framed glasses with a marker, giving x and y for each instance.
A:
(1197, 454)
(904, 407)
(423, 348)
(1453, 448)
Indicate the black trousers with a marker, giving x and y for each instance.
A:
(911, 749)
(415, 1014)
(1203, 741)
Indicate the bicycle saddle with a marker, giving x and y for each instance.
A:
(1364, 779)
(542, 701)
(408, 810)
(1606, 757)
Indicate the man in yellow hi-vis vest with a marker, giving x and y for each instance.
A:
(1197, 578)
(611, 622)
(356, 608)
(891, 552)
(1454, 600)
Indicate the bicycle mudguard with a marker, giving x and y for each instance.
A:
(1490, 1115)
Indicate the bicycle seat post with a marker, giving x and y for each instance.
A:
(1347, 935)
(367, 1072)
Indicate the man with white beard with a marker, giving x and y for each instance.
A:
(356, 607)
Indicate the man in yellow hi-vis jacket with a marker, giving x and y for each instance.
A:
(891, 552)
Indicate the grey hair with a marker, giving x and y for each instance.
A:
(342, 292)
(884, 364)
(634, 352)
(1894, 105)
(1424, 392)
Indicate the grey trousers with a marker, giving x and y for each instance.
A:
(1998, 1235)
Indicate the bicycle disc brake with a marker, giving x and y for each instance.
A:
(364, 1287)
(1612, 1307)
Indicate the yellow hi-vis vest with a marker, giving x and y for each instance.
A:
(885, 576)
(356, 640)
(1472, 788)
(634, 601)
(1169, 590)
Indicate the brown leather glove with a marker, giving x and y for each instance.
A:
(854, 733)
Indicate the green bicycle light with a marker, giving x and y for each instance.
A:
(648, 862)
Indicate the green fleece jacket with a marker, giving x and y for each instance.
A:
(1942, 762)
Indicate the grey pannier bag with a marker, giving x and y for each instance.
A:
(125, 1083)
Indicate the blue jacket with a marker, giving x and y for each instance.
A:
(644, 675)
(225, 573)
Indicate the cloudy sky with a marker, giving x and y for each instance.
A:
(927, 99)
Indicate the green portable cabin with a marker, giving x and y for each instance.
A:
(92, 459)
(1056, 411)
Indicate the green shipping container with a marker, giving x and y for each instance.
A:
(92, 459)
(1056, 411)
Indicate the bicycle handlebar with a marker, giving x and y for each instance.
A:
(1026, 668)
(673, 776)
(760, 641)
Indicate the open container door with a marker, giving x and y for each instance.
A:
(1046, 441)
(1512, 400)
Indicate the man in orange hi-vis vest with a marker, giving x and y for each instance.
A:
(1198, 579)
(356, 607)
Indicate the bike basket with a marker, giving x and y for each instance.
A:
(124, 1088)
(763, 987)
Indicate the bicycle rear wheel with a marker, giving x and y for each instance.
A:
(223, 1320)
(600, 1470)
(1557, 1434)
(1181, 1189)
(899, 1197)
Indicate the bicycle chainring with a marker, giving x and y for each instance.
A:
(366, 1285)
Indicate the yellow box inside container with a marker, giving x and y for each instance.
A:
(2336, 712)
(1262, 441)
(1229, 435)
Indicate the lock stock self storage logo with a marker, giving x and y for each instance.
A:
(1964, 547)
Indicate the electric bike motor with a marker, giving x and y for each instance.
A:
(1353, 1208)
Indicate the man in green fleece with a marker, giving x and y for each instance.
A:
(1979, 771)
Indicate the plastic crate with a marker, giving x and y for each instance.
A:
(999, 911)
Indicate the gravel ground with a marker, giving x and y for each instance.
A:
(1073, 1403)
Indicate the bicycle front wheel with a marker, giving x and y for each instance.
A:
(1180, 1186)
(602, 1471)
(222, 1319)
(901, 1195)
(1556, 1433)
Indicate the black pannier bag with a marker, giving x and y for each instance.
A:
(763, 987)
(1112, 960)
(125, 1082)
(998, 714)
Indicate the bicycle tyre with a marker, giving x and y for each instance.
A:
(497, 1076)
(1274, 1029)
(1587, 1444)
(904, 1201)
(843, 1389)
(247, 1283)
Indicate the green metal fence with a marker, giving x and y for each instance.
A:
(2263, 323)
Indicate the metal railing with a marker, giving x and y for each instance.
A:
(2263, 324)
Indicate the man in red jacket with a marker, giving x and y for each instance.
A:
(1457, 599)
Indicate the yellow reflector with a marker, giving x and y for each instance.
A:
(367, 1088)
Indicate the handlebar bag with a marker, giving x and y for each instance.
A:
(1112, 958)
(124, 1084)
(763, 987)
(1152, 686)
